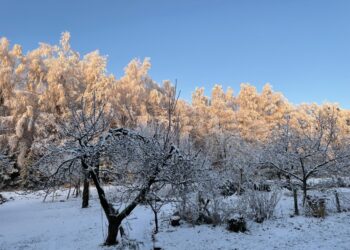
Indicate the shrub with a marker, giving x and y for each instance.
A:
(230, 188)
(315, 206)
(259, 205)
(237, 224)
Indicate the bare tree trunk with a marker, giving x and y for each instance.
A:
(70, 187)
(77, 189)
(337, 201)
(304, 191)
(156, 221)
(86, 194)
(113, 228)
(240, 181)
(295, 196)
(113, 216)
(305, 177)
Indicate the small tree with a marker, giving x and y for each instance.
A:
(308, 148)
(79, 145)
(140, 162)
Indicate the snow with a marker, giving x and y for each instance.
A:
(287, 233)
(28, 223)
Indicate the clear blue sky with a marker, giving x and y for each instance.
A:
(301, 47)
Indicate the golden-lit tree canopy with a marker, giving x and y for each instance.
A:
(50, 80)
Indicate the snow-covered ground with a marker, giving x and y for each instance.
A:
(28, 223)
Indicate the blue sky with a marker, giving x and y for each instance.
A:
(301, 47)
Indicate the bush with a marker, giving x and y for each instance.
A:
(237, 224)
(258, 205)
(315, 206)
(229, 188)
(200, 209)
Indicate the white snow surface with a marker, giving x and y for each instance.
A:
(28, 223)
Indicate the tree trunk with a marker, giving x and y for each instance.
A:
(70, 187)
(240, 181)
(156, 221)
(113, 216)
(77, 189)
(337, 202)
(295, 196)
(85, 203)
(113, 228)
(114, 220)
(304, 191)
(304, 180)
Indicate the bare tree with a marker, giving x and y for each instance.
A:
(80, 146)
(141, 162)
(148, 162)
(310, 148)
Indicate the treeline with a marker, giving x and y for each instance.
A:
(39, 89)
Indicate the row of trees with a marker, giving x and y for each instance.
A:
(154, 163)
(38, 89)
(64, 120)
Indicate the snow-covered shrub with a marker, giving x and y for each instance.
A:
(315, 206)
(188, 207)
(229, 188)
(237, 224)
(200, 208)
(258, 205)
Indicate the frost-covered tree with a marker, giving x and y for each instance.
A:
(307, 148)
(129, 95)
(222, 109)
(25, 130)
(143, 163)
(10, 60)
(250, 124)
(258, 114)
(80, 145)
(200, 116)
(38, 88)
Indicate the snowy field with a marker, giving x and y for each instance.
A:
(28, 223)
